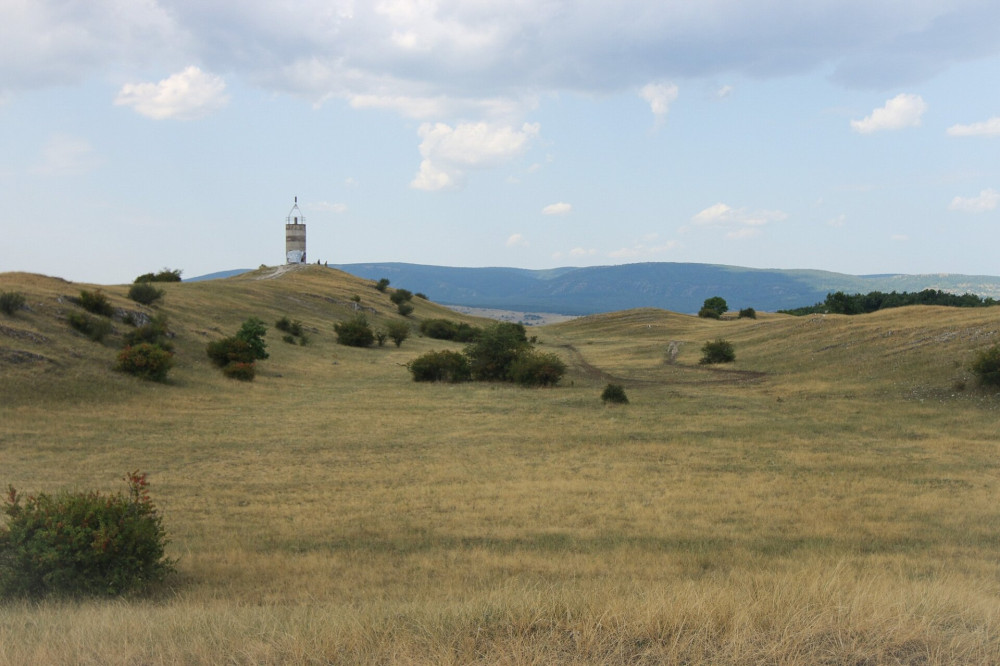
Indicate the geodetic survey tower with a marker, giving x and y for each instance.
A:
(295, 236)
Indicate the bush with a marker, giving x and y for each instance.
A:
(94, 328)
(986, 366)
(229, 350)
(154, 333)
(614, 393)
(401, 296)
(491, 355)
(354, 332)
(77, 544)
(96, 302)
(537, 369)
(144, 293)
(708, 313)
(382, 284)
(421, 296)
(720, 351)
(717, 304)
(748, 313)
(166, 275)
(291, 327)
(380, 338)
(11, 301)
(440, 366)
(444, 329)
(404, 309)
(398, 331)
(243, 371)
(145, 361)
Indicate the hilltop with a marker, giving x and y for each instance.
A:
(829, 497)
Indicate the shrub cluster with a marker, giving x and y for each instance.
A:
(144, 293)
(148, 352)
(11, 301)
(96, 302)
(82, 544)
(748, 313)
(440, 366)
(94, 328)
(354, 332)
(614, 393)
(502, 352)
(382, 284)
(445, 329)
(986, 366)
(841, 303)
(237, 355)
(719, 351)
(294, 333)
(166, 275)
(401, 298)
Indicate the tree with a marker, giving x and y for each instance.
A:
(491, 355)
(398, 331)
(715, 304)
(252, 332)
(382, 284)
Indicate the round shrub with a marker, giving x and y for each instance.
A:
(986, 366)
(440, 366)
(94, 328)
(11, 301)
(82, 544)
(144, 293)
(355, 332)
(145, 361)
(229, 350)
(614, 393)
(537, 369)
(720, 351)
(748, 313)
(96, 302)
(709, 313)
(398, 332)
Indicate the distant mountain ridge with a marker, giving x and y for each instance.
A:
(679, 287)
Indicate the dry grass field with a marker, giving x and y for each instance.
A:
(832, 497)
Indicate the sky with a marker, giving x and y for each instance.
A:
(856, 136)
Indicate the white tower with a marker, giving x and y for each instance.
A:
(295, 236)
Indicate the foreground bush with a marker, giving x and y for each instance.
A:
(720, 351)
(11, 301)
(614, 393)
(537, 369)
(440, 366)
(146, 361)
(354, 332)
(144, 293)
(82, 544)
(986, 366)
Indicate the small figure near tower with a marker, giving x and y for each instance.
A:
(295, 236)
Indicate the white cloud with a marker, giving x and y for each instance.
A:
(560, 208)
(903, 110)
(739, 223)
(517, 240)
(660, 96)
(448, 151)
(187, 95)
(989, 127)
(986, 201)
(64, 155)
(724, 92)
(838, 221)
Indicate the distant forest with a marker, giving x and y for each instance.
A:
(841, 303)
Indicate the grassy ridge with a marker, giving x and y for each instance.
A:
(830, 497)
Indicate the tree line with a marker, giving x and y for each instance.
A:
(850, 304)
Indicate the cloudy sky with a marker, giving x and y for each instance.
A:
(859, 136)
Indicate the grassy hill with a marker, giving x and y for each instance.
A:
(830, 497)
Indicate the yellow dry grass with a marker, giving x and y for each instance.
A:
(831, 497)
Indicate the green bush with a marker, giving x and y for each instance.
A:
(986, 366)
(401, 296)
(398, 331)
(354, 332)
(716, 304)
(96, 302)
(720, 351)
(145, 361)
(243, 371)
(748, 313)
(614, 393)
(252, 332)
(444, 329)
(708, 313)
(382, 284)
(82, 544)
(144, 293)
(404, 309)
(380, 338)
(537, 369)
(491, 355)
(291, 327)
(229, 350)
(166, 275)
(421, 296)
(155, 333)
(440, 366)
(94, 328)
(11, 301)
